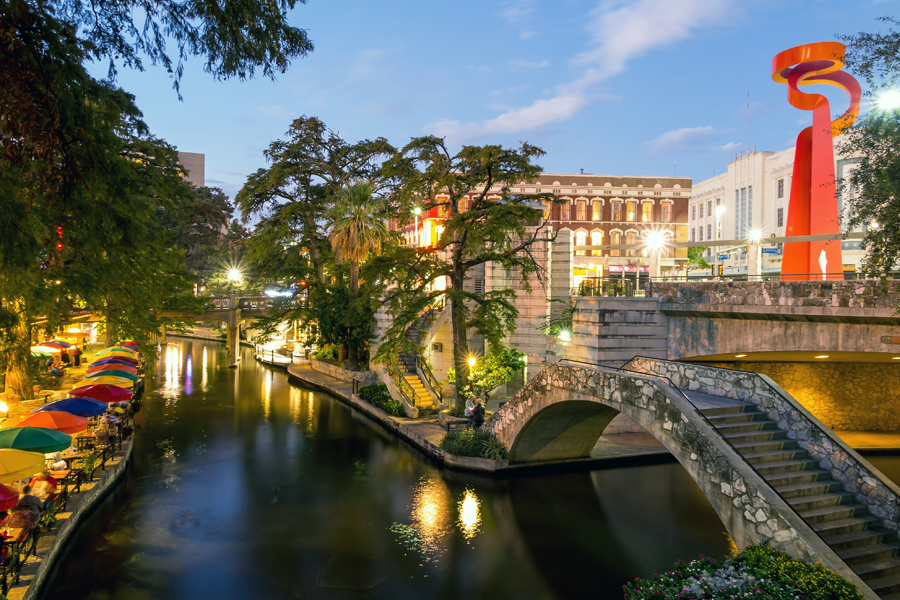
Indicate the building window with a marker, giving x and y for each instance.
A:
(647, 210)
(667, 212)
(701, 234)
(580, 215)
(749, 207)
(616, 211)
(781, 217)
(694, 213)
(615, 238)
(781, 188)
(596, 240)
(631, 210)
(737, 214)
(596, 214)
(580, 240)
(630, 239)
(564, 211)
(709, 208)
(701, 211)
(709, 231)
(693, 234)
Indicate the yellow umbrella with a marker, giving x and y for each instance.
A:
(109, 379)
(16, 465)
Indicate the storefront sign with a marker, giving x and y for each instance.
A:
(628, 269)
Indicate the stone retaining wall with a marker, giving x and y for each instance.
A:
(363, 377)
(855, 473)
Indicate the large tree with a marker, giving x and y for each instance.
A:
(873, 192)
(486, 222)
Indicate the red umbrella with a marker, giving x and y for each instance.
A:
(8, 497)
(50, 419)
(127, 359)
(101, 392)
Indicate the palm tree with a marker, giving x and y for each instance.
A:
(357, 229)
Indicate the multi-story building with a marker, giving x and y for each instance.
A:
(752, 195)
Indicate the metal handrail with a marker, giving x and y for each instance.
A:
(722, 436)
(408, 393)
(430, 380)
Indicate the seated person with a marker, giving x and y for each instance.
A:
(43, 486)
(55, 462)
(478, 414)
(30, 501)
(22, 517)
(102, 432)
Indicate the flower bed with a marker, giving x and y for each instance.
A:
(378, 395)
(757, 572)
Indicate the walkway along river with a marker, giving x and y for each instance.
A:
(244, 486)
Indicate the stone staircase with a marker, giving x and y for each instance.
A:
(407, 363)
(856, 535)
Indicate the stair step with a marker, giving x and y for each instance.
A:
(785, 466)
(885, 585)
(727, 410)
(832, 513)
(844, 525)
(755, 436)
(792, 477)
(746, 426)
(840, 542)
(741, 417)
(762, 458)
(801, 503)
(812, 488)
(858, 555)
(877, 569)
(755, 447)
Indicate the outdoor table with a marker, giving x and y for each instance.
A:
(84, 441)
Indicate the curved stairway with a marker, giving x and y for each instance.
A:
(407, 363)
(856, 535)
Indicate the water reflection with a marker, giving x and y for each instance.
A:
(430, 515)
(204, 377)
(469, 514)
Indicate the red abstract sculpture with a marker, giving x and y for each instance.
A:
(813, 207)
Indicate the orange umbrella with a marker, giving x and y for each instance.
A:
(50, 419)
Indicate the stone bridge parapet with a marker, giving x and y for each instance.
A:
(845, 464)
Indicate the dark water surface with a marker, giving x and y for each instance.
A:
(244, 486)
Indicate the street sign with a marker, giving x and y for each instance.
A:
(724, 256)
(770, 250)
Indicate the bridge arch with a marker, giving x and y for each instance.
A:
(562, 412)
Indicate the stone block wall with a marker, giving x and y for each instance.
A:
(843, 396)
(845, 465)
(363, 377)
(611, 331)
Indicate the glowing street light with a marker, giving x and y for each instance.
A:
(565, 336)
(888, 100)
(755, 236)
(234, 275)
(654, 240)
(471, 361)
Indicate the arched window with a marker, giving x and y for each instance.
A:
(596, 240)
(615, 238)
(630, 239)
(647, 212)
(616, 210)
(580, 214)
(596, 213)
(631, 210)
(564, 211)
(580, 240)
(666, 212)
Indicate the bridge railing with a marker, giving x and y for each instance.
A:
(711, 426)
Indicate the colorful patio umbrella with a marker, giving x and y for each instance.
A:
(16, 465)
(116, 360)
(109, 380)
(34, 439)
(113, 349)
(42, 353)
(112, 373)
(81, 407)
(51, 419)
(48, 349)
(103, 393)
(8, 497)
(101, 368)
(58, 344)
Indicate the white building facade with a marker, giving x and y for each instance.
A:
(755, 191)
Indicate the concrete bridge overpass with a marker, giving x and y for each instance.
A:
(772, 471)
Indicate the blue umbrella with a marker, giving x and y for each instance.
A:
(82, 407)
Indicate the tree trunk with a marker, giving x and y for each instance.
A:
(352, 350)
(18, 378)
(316, 258)
(460, 343)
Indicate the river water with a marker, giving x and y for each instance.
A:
(244, 486)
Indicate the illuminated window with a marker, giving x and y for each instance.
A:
(596, 240)
(616, 211)
(580, 215)
(615, 238)
(666, 212)
(580, 240)
(631, 210)
(564, 211)
(647, 210)
(596, 215)
(630, 239)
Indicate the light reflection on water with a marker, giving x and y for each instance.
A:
(247, 487)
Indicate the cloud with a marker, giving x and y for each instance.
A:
(521, 65)
(620, 31)
(679, 140)
(729, 147)
(515, 12)
(527, 35)
(277, 111)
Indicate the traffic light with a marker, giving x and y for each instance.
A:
(773, 240)
(721, 269)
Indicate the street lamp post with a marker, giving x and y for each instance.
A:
(720, 210)
(234, 276)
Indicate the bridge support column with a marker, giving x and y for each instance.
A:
(754, 260)
(233, 339)
(654, 262)
(162, 335)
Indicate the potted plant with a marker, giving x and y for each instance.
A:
(47, 521)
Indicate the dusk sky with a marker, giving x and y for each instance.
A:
(611, 87)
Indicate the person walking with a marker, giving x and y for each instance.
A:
(77, 356)
(478, 414)
(470, 409)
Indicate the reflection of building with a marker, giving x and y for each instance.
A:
(755, 190)
(195, 166)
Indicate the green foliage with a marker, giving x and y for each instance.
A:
(48, 520)
(695, 258)
(560, 319)
(757, 572)
(378, 395)
(473, 443)
(494, 369)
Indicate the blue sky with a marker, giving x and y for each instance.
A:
(626, 87)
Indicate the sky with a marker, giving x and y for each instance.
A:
(616, 87)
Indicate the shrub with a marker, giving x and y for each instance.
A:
(378, 395)
(473, 443)
(757, 572)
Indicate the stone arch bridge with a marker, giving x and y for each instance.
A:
(772, 471)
